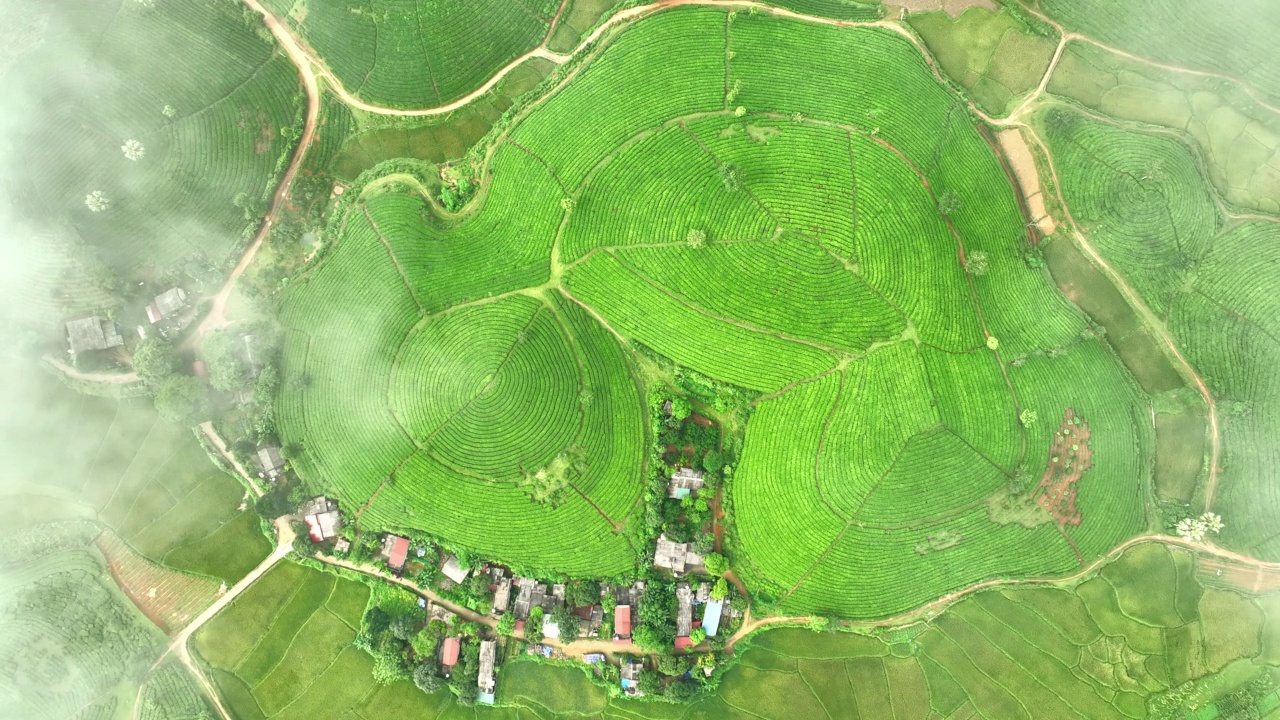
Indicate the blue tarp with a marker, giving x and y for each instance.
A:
(486, 698)
(711, 617)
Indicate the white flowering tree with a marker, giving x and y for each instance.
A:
(696, 238)
(133, 150)
(96, 201)
(1195, 529)
(169, 111)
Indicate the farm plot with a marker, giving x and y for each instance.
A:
(180, 130)
(1111, 648)
(1225, 38)
(1212, 286)
(170, 599)
(453, 47)
(849, 247)
(994, 56)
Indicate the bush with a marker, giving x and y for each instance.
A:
(155, 361)
(715, 564)
(424, 676)
(182, 399)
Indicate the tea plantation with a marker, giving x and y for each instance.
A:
(840, 239)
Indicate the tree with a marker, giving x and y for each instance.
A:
(221, 352)
(424, 642)
(1028, 417)
(403, 626)
(715, 563)
(720, 590)
(533, 626)
(182, 398)
(568, 623)
(424, 676)
(949, 203)
(582, 593)
(817, 624)
(698, 636)
(696, 239)
(713, 461)
(681, 691)
(133, 150)
(731, 176)
(977, 262)
(154, 360)
(681, 408)
(507, 625)
(669, 664)
(649, 684)
(96, 201)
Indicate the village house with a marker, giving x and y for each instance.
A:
(91, 333)
(501, 592)
(486, 682)
(592, 617)
(439, 612)
(395, 550)
(703, 594)
(683, 483)
(676, 557)
(322, 518)
(630, 674)
(342, 546)
(684, 616)
(622, 623)
(532, 594)
(270, 462)
(449, 649)
(167, 304)
(453, 570)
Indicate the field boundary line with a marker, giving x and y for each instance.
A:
(835, 353)
(298, 632)
(294, 593)
(1034, 676)
(394, 260)
(981, 671)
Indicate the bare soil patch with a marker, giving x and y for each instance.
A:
(168, 598)
(1069, 457)
(1018, 154)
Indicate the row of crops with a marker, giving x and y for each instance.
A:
(202, 95)
(820, 245)
(1213, 286)
(452, 47)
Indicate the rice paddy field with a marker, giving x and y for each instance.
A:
(829, 278)
(1148, 636)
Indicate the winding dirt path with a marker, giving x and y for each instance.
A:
(221, 446)
(216, 317)
(74, 373)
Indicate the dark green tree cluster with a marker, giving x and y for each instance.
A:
(179, 398)
(454, 197)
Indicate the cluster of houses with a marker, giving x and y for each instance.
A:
(521, 595)
(164, 312)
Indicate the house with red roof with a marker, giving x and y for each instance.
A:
(395, 550)
(449, 654)
(622, 623)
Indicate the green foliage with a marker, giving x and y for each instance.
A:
(182, 399)
(222, 351)
(507, 625)
(716, 564)
(155, 361)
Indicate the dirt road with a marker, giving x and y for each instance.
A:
(61, 366)
(216, 317)
(218, 444)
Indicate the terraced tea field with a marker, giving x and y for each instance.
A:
(850, 248)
